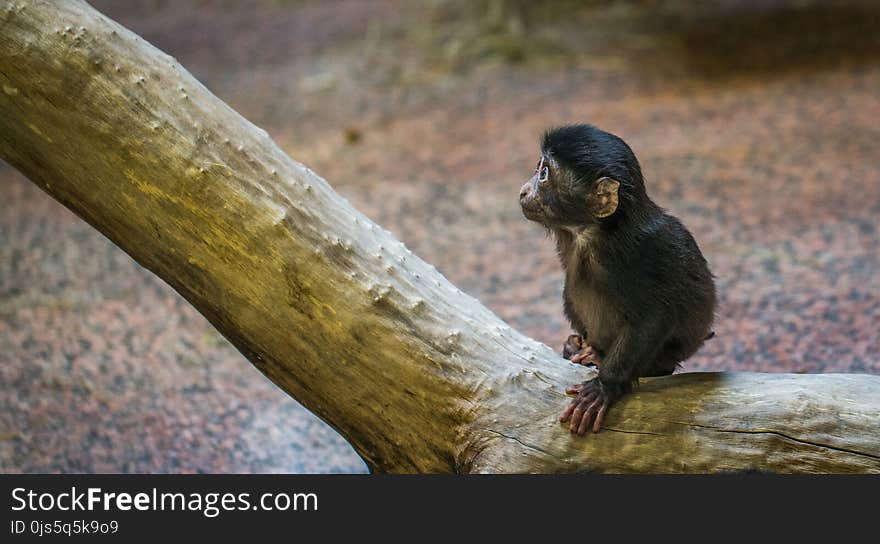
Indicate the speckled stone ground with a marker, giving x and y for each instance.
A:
(757, 126)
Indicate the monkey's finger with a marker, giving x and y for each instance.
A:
(576, 416)
(574, 389)
(600, 418)
(586, 399)
(589, 396)
(588, 357)
(582, 354)
(585, 421)
(567, 413)
(591, 412)
(580, 410)
(581, 390)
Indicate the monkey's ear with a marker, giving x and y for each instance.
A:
(603, 200)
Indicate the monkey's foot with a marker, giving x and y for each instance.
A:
(578, 351)
(588, 408)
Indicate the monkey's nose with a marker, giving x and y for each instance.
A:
(524, 191)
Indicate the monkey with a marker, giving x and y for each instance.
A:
(638, 292)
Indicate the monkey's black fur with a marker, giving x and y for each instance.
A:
(637, 287)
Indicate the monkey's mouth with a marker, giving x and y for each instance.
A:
(532, 212)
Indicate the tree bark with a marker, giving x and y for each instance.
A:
(419, 376)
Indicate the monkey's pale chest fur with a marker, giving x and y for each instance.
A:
(598, 315)
(586, 299)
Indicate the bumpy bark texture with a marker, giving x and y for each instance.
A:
(417, 375)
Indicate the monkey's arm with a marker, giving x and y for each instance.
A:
(632, 351)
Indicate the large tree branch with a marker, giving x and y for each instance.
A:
(417, 375)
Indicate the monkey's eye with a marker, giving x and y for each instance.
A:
(543, 174)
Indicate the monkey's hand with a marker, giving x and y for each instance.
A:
(578, 351)
(588, 408)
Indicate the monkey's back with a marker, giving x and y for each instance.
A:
(689, 289)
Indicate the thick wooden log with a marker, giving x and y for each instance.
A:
(417, 375)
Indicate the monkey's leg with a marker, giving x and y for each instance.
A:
(659, 370)
(667, 362)
(578, 351)
(670, 357)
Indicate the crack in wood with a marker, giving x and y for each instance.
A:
(630, 432)
(782, 435)
(515, 439)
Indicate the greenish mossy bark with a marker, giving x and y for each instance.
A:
(417, 375)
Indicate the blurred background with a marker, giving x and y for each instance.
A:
(757, 123)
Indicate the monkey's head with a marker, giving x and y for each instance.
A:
(584, 176)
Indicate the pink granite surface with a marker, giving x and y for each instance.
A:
(759, 127)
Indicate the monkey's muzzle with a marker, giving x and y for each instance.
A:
(529, 202)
